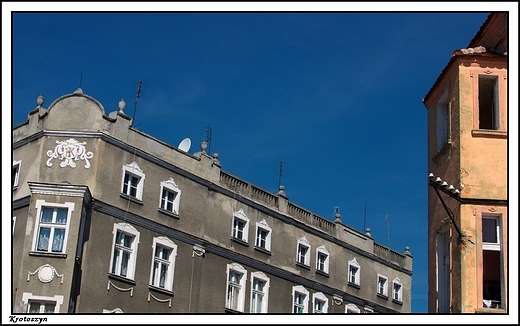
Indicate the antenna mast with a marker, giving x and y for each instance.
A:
(80, 78)
(280, 176)
(365, 219)
(136, 100)
(208, 137)
(387, 219)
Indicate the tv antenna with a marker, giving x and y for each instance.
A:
(280, 175)
(80, 78)
(136, 99)
(208, 138)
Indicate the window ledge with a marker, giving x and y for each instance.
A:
(47, 254)
(320, 272)
(397, 301)
(490, 311)
(489, 133)
(165, 212)
(240, 241)
(263, 250)
(15, 188)
(160, 290)
(303, 265)
(354, 285)
(121, 278)
(132, 199)
(379, 295)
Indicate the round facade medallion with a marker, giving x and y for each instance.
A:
(46, 274)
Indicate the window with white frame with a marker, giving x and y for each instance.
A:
(259, 292)
(397, 290)
(52, 227)
(353, 272)
(263, 235)
(15, 177)
(303, 250)
(492, 268)
(163, 264)
(170, 196)
(320, 303)
(300, 299)
(133, 181)
(236, 281)
(240, 226)
(124, 253)
(322, 259)
(443, 121)
(42, 304)
(382, 285)
(352, 309)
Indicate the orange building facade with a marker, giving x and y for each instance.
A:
(468, 181)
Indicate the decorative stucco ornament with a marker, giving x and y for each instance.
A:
(68, 152)
(45, 274)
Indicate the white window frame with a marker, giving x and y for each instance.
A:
(302, 242)
(265, 293)
(495, 246)
(240, 286)
(240, 216)
(262, 225)
(397, 295)
(170, 186)
(14, 223)
(357, 279)
(324, 252)
(385, 286)
(18, 166)
(298, 289)
(352, 309)
(319, 296)
(132, 231)
(170, 263)
(40, 205)
(133, 170)
(57, 299)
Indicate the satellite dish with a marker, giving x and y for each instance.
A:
(185, 145)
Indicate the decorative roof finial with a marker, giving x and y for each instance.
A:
(337, 215)
(203, 146)
(122, 105)
(40, 101)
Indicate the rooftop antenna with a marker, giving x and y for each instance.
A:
(136, 99)
(387, 219)
(80, 78)
(365, 219)
(280, 175)
(208, 137)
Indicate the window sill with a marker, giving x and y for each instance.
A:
(382, 296)
(160, 290)
(303, 265)
(263, 250)
(489, 133)
(15, 188)
(171, 214)
(397, 301)
(130, 198)
(354, 285)
(240, 241)
(121, 278)
(47, 254)
(323, 273)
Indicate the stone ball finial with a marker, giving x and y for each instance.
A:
(367, 232)
(281, 190)
(215, 156)
(203, 146)
(122, 105)
(40, 100)
(407, 250)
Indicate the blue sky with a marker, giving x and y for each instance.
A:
(336, 96)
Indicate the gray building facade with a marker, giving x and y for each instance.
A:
(108, 219)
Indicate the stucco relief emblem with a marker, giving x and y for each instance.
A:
(68, 152)
(45, 274)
